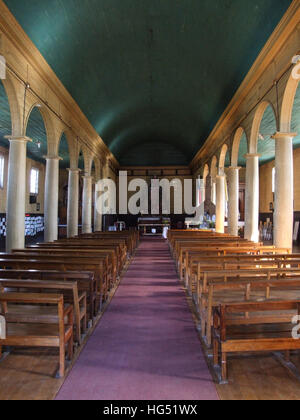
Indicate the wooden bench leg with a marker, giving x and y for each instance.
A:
(215, 341)
(61, 372)
(216, 352)
(70, 348)
(71, 339)
(202, 315)
(287, 356)
(224, 366)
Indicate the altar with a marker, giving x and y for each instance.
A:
(153, 226)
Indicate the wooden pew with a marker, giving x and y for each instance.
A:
(241, 281)
(68, 289)
(51, 332)
(235, 262)
(219, 251)
(114, 250)
(190, 257)
(173, 236)
(132, 235)
(121, 243)
(101, 261)
(198, 244)
(92, 244)
(85, 281)
(229, 338)
(47, 263)
(131, 238)
(67, 253)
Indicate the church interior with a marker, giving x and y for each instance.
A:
(116, 299)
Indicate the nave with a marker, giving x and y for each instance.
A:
(122, 121)
(139, 350)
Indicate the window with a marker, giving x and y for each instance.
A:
(34, 181)
(2, 161)
(273, 180)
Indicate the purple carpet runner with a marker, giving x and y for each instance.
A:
(146, 346)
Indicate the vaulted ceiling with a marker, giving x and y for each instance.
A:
(152, 76)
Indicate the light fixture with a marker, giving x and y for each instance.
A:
(263, 136)
(38, 143)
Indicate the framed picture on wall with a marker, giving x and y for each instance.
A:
(38, 206)
(32, 199)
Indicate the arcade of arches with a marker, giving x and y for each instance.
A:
(235, 129)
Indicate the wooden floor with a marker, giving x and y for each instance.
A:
(28, 375)
(259, 378)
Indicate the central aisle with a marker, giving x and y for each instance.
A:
(146, 346)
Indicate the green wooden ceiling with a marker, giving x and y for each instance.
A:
(150, 72)
(5, 120)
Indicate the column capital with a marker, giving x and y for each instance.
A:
(87, 177)
(234, 168)
(19, 138)
(74, 170)
(52, 157)
(220, 176)
(281, 136)
(252, 155)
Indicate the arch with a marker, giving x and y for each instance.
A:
(68, 138)
(222, 158)
(205, 172)
(15, 109)
(93, 167)
(52, 141)
(64, 152)
(80, 158)
(213, 167)
(5, 118)
(36, 130)
(107, 166)
(88, 160)
(266, 143)
(295, 121)
(97, 169)
(288, 99)
(236, 146)
(259, 113)
(72, 148)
